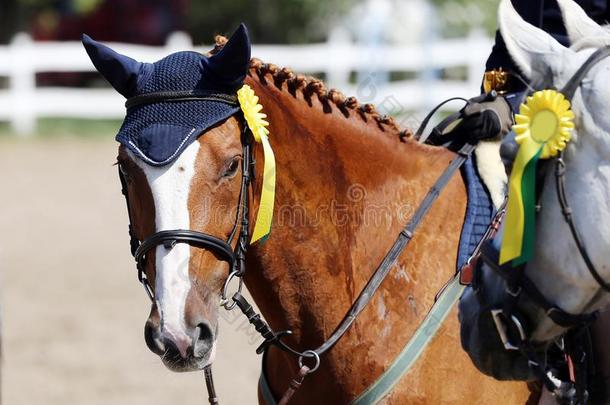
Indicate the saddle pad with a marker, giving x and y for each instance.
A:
(479, 212)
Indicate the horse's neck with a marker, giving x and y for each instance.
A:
(345, 189)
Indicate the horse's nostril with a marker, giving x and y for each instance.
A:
(204, 339)
(153, 340)
(205, 332)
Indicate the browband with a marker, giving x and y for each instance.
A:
(171, 96)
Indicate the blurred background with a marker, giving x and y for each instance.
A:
(72, 312)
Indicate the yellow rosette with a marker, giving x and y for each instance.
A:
(255, 119)
(543, 128)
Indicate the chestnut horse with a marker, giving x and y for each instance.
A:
(347, 182)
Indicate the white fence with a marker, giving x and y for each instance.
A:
(23, 102)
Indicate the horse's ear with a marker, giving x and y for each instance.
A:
(535, 52)
(121, 71)
(232, 62)
(578, 24)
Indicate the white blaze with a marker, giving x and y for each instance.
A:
(170, 187)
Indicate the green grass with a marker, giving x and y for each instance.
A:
(68, 127)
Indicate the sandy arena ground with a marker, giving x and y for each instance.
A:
(72, 310)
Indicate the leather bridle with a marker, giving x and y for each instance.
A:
(235, 256)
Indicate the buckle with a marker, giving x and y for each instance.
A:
(467, 271)
(502, 327)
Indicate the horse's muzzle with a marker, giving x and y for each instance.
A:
(189, 352)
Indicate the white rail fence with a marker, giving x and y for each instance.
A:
(23, 102)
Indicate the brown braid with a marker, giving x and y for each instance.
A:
(310, 86)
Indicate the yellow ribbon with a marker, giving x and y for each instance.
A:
(543, 129)
(255, 119)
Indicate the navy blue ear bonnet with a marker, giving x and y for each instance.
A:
(172, 101)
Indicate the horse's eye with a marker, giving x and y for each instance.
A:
(232, 167)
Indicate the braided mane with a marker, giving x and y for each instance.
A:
(310, 86)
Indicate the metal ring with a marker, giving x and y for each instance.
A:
(224, 301)
(310, 354)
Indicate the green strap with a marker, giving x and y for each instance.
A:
(409, 355)
(416, 346)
